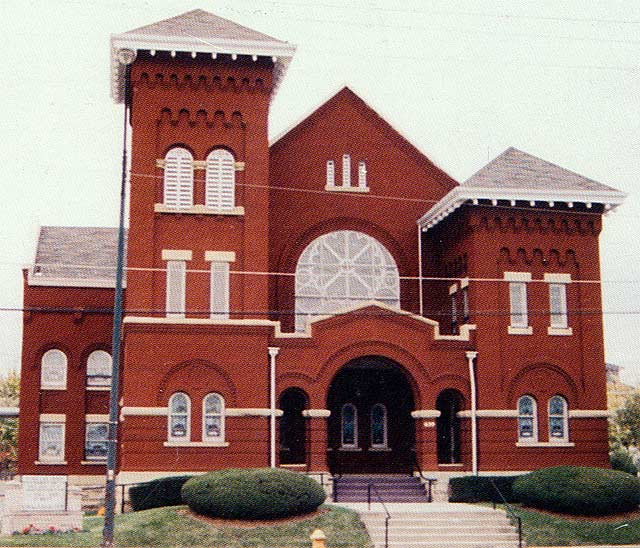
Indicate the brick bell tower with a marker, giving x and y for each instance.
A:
(200, 89)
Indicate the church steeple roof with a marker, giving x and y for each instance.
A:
(198, 31)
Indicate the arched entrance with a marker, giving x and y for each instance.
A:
(370, 427)
(293, 436)
(449, 402)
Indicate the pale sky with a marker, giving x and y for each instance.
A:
(463, 80)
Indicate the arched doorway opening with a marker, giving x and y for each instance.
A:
(370, 427)
(449, 402)
(293, 435)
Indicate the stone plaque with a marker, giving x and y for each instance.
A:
(44, 493)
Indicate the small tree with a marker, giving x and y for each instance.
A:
(624, 431)
(9, 397)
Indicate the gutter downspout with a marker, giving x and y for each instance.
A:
(471, 356)
(273, 352)
(420, 297)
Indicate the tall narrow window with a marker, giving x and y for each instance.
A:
(349, 426)
(465, 304)
(454, 311)
(362, 174)
(346, 170)
(219, 290)
(99, 368)
(53, 371)
(558, 305)
(518, 302)
(331, 173)
(379, 426)
(213, 418)
(558, 419)
(179, 417)
(96, 441)
(178, 178)
(51, 442)
(176, 286)
(220, 180)
(527, 419)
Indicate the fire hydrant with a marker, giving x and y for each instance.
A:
(317, 539)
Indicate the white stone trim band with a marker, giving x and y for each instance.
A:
(196, 444)
(545, 444)
(251, 412)
(489, 413)
(453, 288)
(144, 411)
(557, 278)
(220, 256)
(589, 413)
(517, 276)
(177, 254)
(53, 417)
(316, 413)
(198, 209)
(96, 418)
(425, 414)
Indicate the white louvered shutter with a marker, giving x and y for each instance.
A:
(219, 290)
(176, 279)
(220, 180)
(331, 173)
(362, 174)
(178, 179)
(346, 170)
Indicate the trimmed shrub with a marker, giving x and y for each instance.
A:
(623, 461)
(480, 488)
(157, 493)
(252, 493)
(579, 490)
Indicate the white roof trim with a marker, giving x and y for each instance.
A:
(282, 53)
(44, 281)
(459, 195)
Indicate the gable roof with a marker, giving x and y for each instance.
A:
(348, 93)
(515, 175)
(198, 31)
(75, 257)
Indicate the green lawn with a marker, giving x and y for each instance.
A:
(545, 530)
(166, 527)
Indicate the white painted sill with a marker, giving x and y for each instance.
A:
(566, 331)
(53, 388)
(98, 388)
(102, 462)
(545, 444)
(360, 189)
(196, 444)
(49, 463)
(198, 210)
(350, 449)
(520, 330)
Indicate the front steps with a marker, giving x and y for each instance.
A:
(389, 488)
(439, 525)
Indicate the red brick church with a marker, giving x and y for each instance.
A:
(330, 300)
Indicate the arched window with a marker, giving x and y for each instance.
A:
(527, 419)
(349, 426)
(178, 178)
(213, 418)
(99, 368)
(362, 174)
(378, 426)
(558, 419)
(340, 270)
(179, 417)
(53, 371)
(346, 170)
(220, 180)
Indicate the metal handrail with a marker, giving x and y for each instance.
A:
(510, 511)
(371, 487)
(429, 481)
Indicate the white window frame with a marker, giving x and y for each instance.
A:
(220, 180)
(93, 369)
(385, 424)
(178, 179)
(172, 414)
(46, 365)
(176, 289)
(558, 317)
(88, 426)
(518, 309)
(362, 174)
(221, 415)
(534, 419)
(465, 304)
(42, 456)
(564, 416)
(331, 173)
(346, 170)
(353, 445)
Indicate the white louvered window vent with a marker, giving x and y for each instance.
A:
(178, 179)
(220, 180)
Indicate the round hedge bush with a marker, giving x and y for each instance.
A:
(252, 493)
(578, 490)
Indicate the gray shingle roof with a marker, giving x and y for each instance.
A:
(76, 253)
(203, 25)
(517, 169)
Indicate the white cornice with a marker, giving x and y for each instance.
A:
(461, 194)
(281, 52)
(44, 281)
